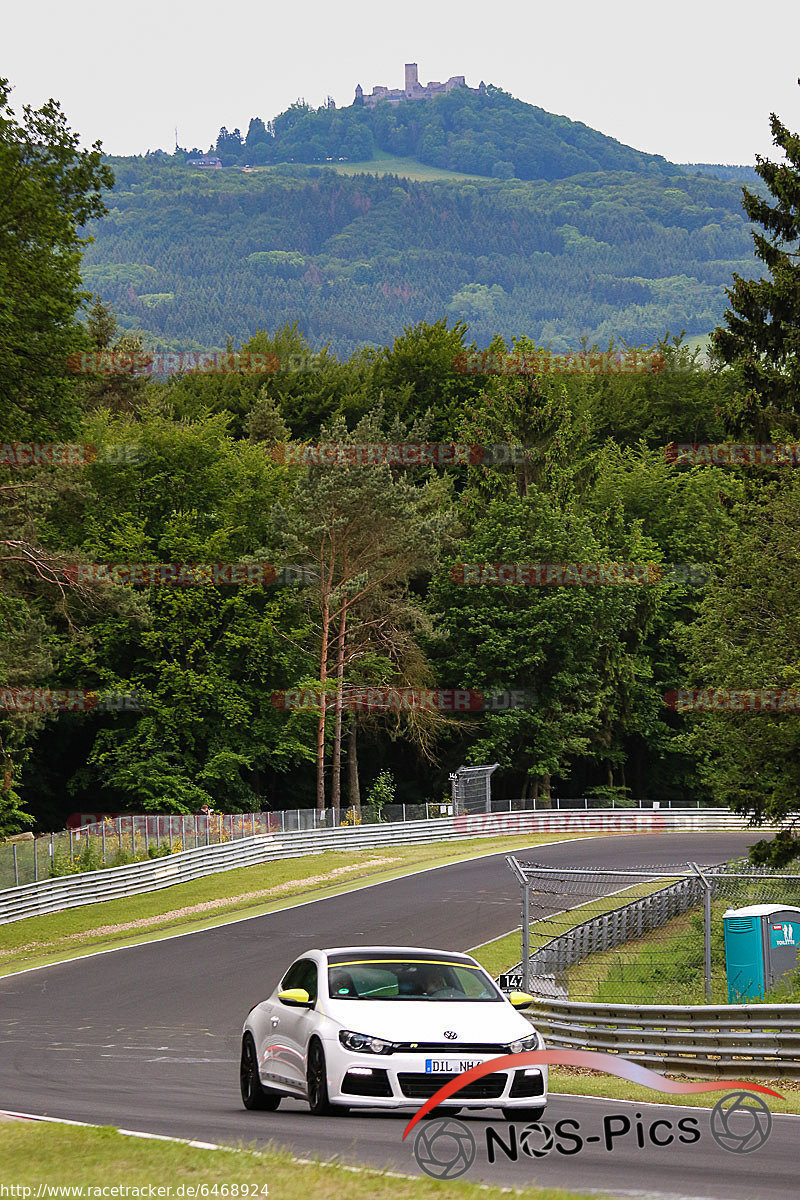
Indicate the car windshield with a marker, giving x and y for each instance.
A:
(378, 979)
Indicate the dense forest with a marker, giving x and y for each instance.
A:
(191, 469)
(562, 233)
(192, 257)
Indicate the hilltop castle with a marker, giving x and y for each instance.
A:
(413, 89)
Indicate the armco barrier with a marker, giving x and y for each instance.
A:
(736, 1040)
(92, 887)
(610, 929)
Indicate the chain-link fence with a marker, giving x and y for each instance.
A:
(133, 838)
(119, 840)
(643, 936)
(471, 789)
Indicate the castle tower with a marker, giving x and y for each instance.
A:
(359, 95)
(412, 80)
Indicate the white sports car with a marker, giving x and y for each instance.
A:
(385, 1027)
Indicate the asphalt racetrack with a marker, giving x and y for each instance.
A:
(147, 1038)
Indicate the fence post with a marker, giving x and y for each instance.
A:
(526, 938)
(706, 929)
(70, 843)
(133, 837)
(103, 835)
(404, 812)
(16, 865)
(35, 861)
(147, 836)
(427, 811)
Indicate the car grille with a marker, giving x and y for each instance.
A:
(527, 1085)
(419, 1086)
(376, 1084)
(451, 1049)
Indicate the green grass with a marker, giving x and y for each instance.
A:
(505, 951)
(668, 963)
(70, 933)
(670, 967)
(391, 164)
(576, 1082)
(32, 1153)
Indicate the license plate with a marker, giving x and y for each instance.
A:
(450, 1066)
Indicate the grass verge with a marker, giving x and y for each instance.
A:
(393, 164)
(505, 951)
(576, 1082)
(32, 1154)
(659, 963)
(214, 899)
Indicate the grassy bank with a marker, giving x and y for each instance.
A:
(32, 1153)
(575, 1082)
(505, 952)
(394, 164)
(215, 899)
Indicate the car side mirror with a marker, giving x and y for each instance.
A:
(296, 998)
(520, 999)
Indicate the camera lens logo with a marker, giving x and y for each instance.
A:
(445, 1149)
(536, 1140)
(740, 1122)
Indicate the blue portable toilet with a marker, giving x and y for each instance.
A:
(761, 947)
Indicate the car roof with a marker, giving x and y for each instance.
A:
(340, 954)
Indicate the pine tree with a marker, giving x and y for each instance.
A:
(762, 334)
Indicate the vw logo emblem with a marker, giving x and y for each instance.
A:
(445, 1148)
(740, 1122)
(450, 1033)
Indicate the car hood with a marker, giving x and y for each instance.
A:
(426, 1021)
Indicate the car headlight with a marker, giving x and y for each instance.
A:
(364, 1043)
(534, 1042)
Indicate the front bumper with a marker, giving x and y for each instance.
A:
(400, 1080)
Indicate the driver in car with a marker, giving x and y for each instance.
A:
(436, 980)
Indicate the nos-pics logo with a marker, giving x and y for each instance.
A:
(446, 1148)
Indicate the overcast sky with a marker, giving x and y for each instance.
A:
(694, 80)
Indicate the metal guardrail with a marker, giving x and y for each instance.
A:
(609, 930)
(92, 887)
(132, 836)
(737, 1040)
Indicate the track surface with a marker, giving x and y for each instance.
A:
(147, 1038)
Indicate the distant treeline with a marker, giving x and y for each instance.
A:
(193, 257)
(490, 133)
(723, 171)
